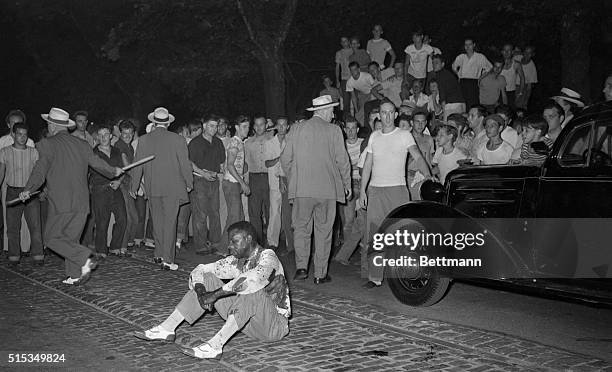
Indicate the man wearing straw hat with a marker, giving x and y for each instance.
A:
(167, 180)
(319, 172)
(63, 163)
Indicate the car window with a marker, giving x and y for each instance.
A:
(601, 150)
(574, 151)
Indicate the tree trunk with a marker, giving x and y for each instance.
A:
(575, 50)
(274, 85)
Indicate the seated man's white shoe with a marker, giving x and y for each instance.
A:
(169, 266)
(71, 281)
(155, 333)
(204, 351)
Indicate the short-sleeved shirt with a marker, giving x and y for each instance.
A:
(419, 65)
(342, 58)
(530, 157)
(511, 136)
(207, 155)
(238, 144)
(491, 88)
(377, 49)
(447, 162)
(531, 73)
(255, 153)
(7, 140)
(471, 68)
(389, 152)
(450, 90)
(97, 179)
(363, 84)
(362, 57)
(19, 164)
(354, 150)
(501, 155)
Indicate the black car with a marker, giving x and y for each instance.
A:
(540, 223)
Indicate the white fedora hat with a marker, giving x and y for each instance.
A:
(322, 102)
(59, 117)
(161, 116)
(570, 96)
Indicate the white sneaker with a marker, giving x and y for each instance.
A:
(71, 281)
(169, 266)
(155, 333)
(204, 351)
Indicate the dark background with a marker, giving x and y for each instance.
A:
(123, 58)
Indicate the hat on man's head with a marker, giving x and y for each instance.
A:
(59, 117)
(161, 116)
(569, 95)
(322, 102)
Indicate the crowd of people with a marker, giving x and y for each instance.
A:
(374, 138)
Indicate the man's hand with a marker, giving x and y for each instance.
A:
(246, 190)
(118, 172)
(115, 184)
(348, 191)
(282, 185)
(209, 176)
(206, 299)
(363, 200)
(24, 195)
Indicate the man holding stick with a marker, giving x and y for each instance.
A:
(63, 163)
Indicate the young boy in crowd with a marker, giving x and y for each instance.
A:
(534, 131)
(495, 150)
(18, 161)
(446, 156)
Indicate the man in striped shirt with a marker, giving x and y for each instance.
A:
(16, 164)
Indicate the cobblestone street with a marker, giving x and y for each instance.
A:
(93, 326)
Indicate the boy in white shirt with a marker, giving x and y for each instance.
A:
(378, 48)
(496, 150)
(446, 156)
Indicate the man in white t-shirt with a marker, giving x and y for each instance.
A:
(469, 67)
(385, 171)
(360, 87)
(446, 156)
(495, 151)
(418, 61)
(378, 48)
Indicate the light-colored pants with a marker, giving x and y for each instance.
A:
(222, 207)
(274, 225)
(255, 313)
(320, 213)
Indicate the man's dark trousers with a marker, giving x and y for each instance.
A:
(205, 206)
(259, 202)
(107, 201)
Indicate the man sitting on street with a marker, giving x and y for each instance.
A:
(255, 300)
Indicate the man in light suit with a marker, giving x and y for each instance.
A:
(319, 171)
(167, 180)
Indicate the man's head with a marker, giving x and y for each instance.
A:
(127, 129)
(534, 128)
(437, 61)
(607, 90)
(404, 122)
(354, 69)
(327, 81)
(417, 87)
(419, 121)
(13, 117)
(104, 135)
(469, 45)
(81, 120)
(259, 125)
(211, 124)
(242, 239)
(529, 53)
(222, 127)
(498, 66)
(554, 115)
(374, 69)
(433, 86)
(476, 116)
(505, 112)
(195, 128)
(345, 42)
(282, 125)
(374, 114)
(387, 113)
(507, 51)
(20, 133)
(493, 125)
(398, 68)
(355, 44)
(377, 31)
(447, 134)
(417, 37)
(242, 126)
(351, 128)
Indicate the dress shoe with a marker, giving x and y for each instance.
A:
(155, 334)
(300, 274)
(86, 270)
(158, 260)
(327, 279)
(169, 266)
(370, 284)
(204, 351)
(72, 281)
